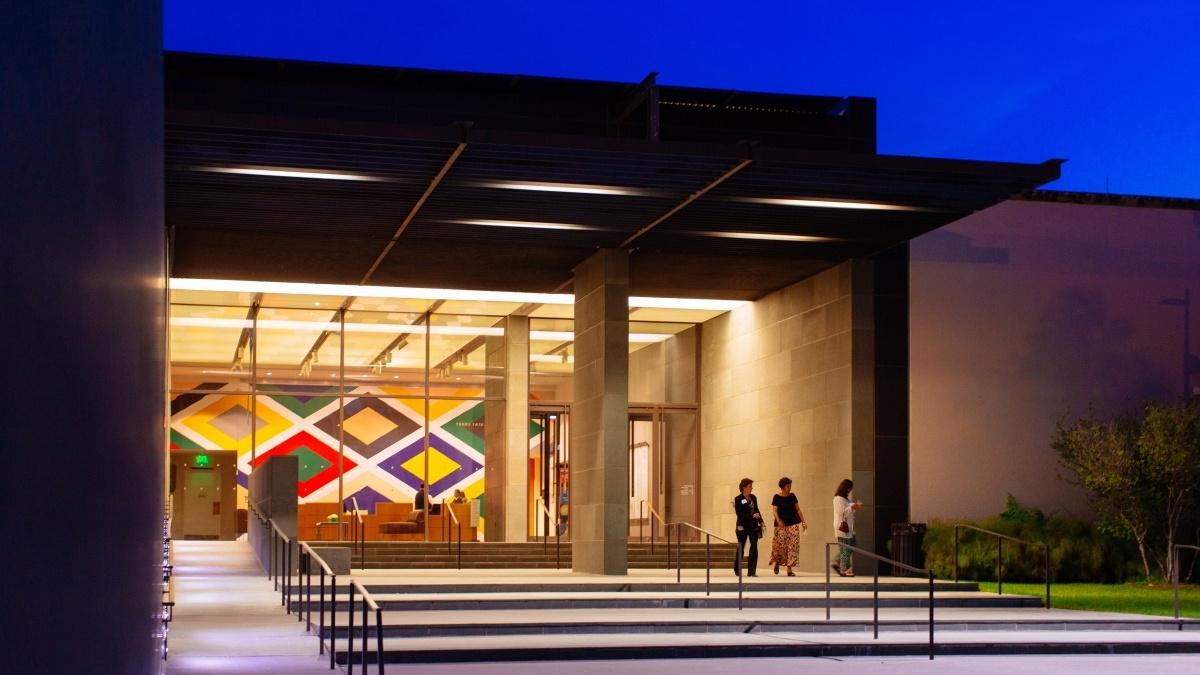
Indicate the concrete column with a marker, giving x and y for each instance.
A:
(599, 416)
(506, 428)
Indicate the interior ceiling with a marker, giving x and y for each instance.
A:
(281, 228)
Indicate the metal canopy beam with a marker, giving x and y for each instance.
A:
(691, 198)
(412, 213)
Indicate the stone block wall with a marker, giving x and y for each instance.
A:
(787, 389)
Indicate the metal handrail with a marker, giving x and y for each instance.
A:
(368, 602)
(550, 519)
(358, 532)
(642, 535)
(453, 516)
(1000, 556)
(875, 603)
(280, 556)
(1175, 569)
(708, 537)
(307, 554)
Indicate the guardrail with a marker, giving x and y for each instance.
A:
(708, 537)
(550, 521)
(453, 516)
(1175, 574)
(1000, 538)
(368, 603)
(878, 559)
(168, 582)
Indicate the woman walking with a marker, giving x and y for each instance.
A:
(843, 525)
(789, 520)
(749, 527)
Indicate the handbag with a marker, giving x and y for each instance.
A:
(843, 527)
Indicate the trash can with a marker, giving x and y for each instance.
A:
(906, 546)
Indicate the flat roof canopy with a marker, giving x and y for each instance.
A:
(316, 173)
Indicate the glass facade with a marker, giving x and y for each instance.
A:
(378, 396)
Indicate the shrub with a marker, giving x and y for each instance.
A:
(1079, 551)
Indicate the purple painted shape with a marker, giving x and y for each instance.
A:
(243, 479)
(467, 465)
(367, 499)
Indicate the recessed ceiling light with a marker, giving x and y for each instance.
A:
(576, 188)
(283, 172)
(829, 203)
(528, 224)
(767, 236)
(398, 292)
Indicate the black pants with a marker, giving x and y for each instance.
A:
(752, 564)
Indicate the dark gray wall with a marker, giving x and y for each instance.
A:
(83, 316)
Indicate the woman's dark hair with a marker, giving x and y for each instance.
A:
(844, 488)
(784, 481)
(742, 485)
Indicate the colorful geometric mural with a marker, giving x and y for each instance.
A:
(383, 438)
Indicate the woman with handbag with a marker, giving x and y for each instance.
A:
(749, 527)
(843, 525)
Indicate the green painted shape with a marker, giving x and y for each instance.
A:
(468, 427)
(310, 462)
(183, 442)
(535, 429)
(302, 408)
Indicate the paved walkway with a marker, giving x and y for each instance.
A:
(229, 620)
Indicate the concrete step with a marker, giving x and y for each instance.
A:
(558, 600)
(634, 645)
(689, 586)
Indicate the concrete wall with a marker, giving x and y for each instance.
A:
(81, 157)
(787, 389)
(1024, 313)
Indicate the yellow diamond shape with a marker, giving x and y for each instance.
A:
(440, 466)
(368, 426)
(199, 422)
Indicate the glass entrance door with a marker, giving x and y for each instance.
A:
(549, 471)
(664, 467)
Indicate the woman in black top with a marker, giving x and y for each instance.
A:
(789, 519)
(749, 527)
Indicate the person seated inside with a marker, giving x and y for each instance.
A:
(460, 497)
(419, 499)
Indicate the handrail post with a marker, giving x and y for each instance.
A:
(827, 593)
(364, 631)
(350, 631)
(956, 554)
(999, 566)
(557, 547)
(332, 617)
(931, 616)
(876, 601)
(1175, 579)
(1047, 576)
(667, 528)
(642, 521)
(287, 580)
(321, 616)
(707, 564)
(679, 554)
(303, 567)
(459, 546)
(379, 639)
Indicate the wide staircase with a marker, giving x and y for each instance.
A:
(531, 555)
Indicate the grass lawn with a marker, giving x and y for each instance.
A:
(1155, 599)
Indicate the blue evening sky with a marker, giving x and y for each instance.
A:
(1112, 86)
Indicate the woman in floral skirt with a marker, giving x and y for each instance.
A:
(789, 520)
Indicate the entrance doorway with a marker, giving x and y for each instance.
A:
(549, 470)
(664, 466)
(203, 487)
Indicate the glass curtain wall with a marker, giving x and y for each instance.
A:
(377, 399)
